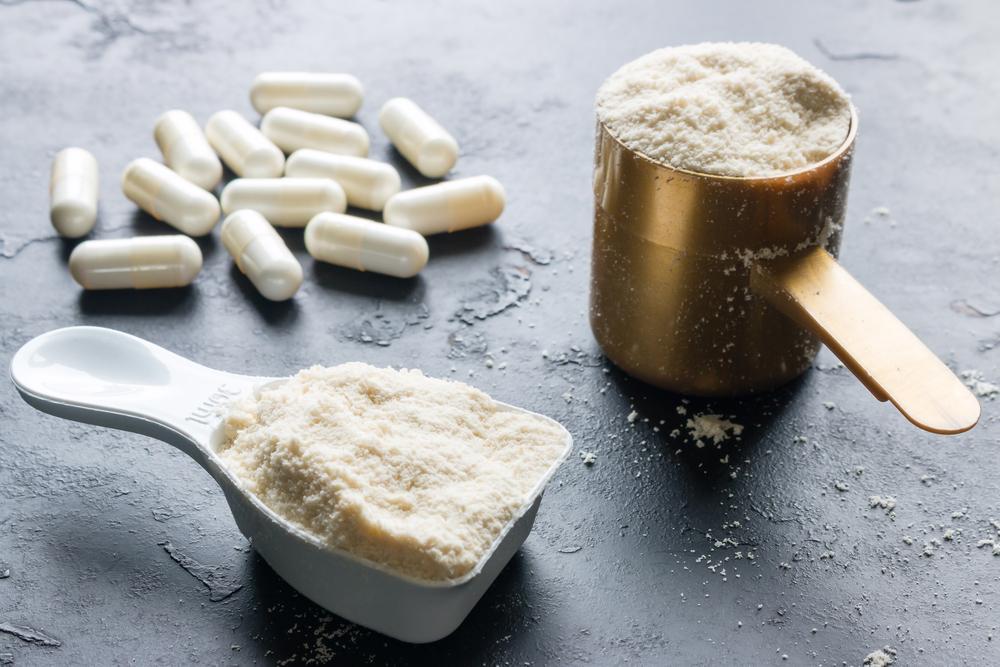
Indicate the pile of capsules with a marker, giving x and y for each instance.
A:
(326, 169)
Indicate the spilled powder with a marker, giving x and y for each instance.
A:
(882, 657)
(888, 503)
(732, 109)
(976, 382)
(714, 428)
(418, 474)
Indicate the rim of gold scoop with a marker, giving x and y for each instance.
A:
(845, 147)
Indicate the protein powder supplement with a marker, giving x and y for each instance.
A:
(417, 474)
(730, 109)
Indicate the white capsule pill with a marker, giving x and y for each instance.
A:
(137, 263)
(73, 192)
(364, 245)
(447, 207)
(286, 202)
(367, 183)
(420, 138)
(261, 255)
(185, 149)
(167, 196)
(291, 129)
(326, 93)
(243, 147)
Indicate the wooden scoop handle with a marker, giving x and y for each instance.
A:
(818, 294)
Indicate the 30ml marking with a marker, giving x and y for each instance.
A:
(209, 408)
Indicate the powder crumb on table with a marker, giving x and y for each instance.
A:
(715, 428)
(888, 503)
(975, 381)
(418, 474)
(882, 657)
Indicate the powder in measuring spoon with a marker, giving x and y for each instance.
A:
(418, 474)
(730, 109)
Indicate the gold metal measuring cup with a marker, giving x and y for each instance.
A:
(716, 286)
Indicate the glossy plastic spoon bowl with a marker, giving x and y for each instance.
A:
(109, 378)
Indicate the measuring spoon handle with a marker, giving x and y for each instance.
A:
(820, 295)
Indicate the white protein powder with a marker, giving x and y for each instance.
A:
(418, 474)
(730, 109)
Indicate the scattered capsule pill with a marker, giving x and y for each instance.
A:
(169, 197)
(292, 129)
(261, 255)
(243, 147)
(138, 263)
(364, 245)
(326, 93)
(73, 192)
(185, 149)
(286, 202)
(367, 183)
(447, 207)
(420, 138)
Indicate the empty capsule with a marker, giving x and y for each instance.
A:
(420, 138)
(367, 183)
(286, 202)
(261, 255)
(364, 245)
(243, 147)
(185, 149)
(326, 93)
(448, 206)
(73, 192)
(138, 263)
(292, 129)
(167, 196)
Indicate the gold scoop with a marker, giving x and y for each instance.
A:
(715, 285)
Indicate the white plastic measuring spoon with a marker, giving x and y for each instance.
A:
(109, 378)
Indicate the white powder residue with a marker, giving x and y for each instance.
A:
(994, 542)
(975, 381)
(706, 427)
(732, 109)
(882, 657)
(888, 503)
(418, 474)
(994, 545)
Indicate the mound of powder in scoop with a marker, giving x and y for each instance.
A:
(731, 109)
(418, 474)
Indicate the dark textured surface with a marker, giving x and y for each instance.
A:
(121, 550)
